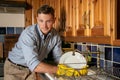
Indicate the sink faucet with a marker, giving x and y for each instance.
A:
(85, 53)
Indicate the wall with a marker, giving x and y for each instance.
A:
(11, 19)
(109, 58)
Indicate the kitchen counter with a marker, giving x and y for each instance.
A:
(93, 74)
(42, 77)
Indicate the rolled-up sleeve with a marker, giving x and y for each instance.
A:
(28, 48)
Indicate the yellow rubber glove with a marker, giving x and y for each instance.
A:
(64, 70)
(69, 72)
(76, 73)
(84, 71)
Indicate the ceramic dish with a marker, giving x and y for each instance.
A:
(76, 61)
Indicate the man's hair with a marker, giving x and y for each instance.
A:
(46, 9)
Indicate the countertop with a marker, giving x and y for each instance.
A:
(93, 74)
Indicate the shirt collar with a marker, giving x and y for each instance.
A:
(41, 34)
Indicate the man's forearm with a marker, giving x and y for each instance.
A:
(45, 68)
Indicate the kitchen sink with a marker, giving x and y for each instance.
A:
(93, 74)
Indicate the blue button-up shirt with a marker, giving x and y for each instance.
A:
(32, 47)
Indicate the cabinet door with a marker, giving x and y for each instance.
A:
(116, 23)
(101, 18)
(1, 50)
(28, 14)
(118, 20)
(92, 22)
(9, 43)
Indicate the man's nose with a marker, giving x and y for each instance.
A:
(45, 23)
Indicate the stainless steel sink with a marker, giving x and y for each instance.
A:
(93, 74)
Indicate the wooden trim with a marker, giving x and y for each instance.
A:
(28, 15)
(116, 43)
(96, 39)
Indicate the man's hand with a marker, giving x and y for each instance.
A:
(64, 70)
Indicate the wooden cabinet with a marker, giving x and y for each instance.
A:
(10, 40)
(91, 22)
(90, 18)
(116, 23)
(1, 50)
(81, 20)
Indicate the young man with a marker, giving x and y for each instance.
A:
(33, 46)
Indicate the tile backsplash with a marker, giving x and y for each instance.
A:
(2, 30)
(9, 30)
(116, 55)
(109, 58)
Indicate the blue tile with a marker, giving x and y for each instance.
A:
(101, 63)
(2, 30)
(116, 65)
(10, 30)
(108, 53)
(116, 69)
(108, 64)
(1, 38)
(79, 47)
(94, 48)
(19, 30)
(116, 54)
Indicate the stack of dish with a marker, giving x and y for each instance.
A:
(73, 59)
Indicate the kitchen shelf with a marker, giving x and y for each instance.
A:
(93, 39)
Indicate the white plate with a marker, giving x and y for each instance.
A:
(76, 61)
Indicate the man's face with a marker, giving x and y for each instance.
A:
(45, 22)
